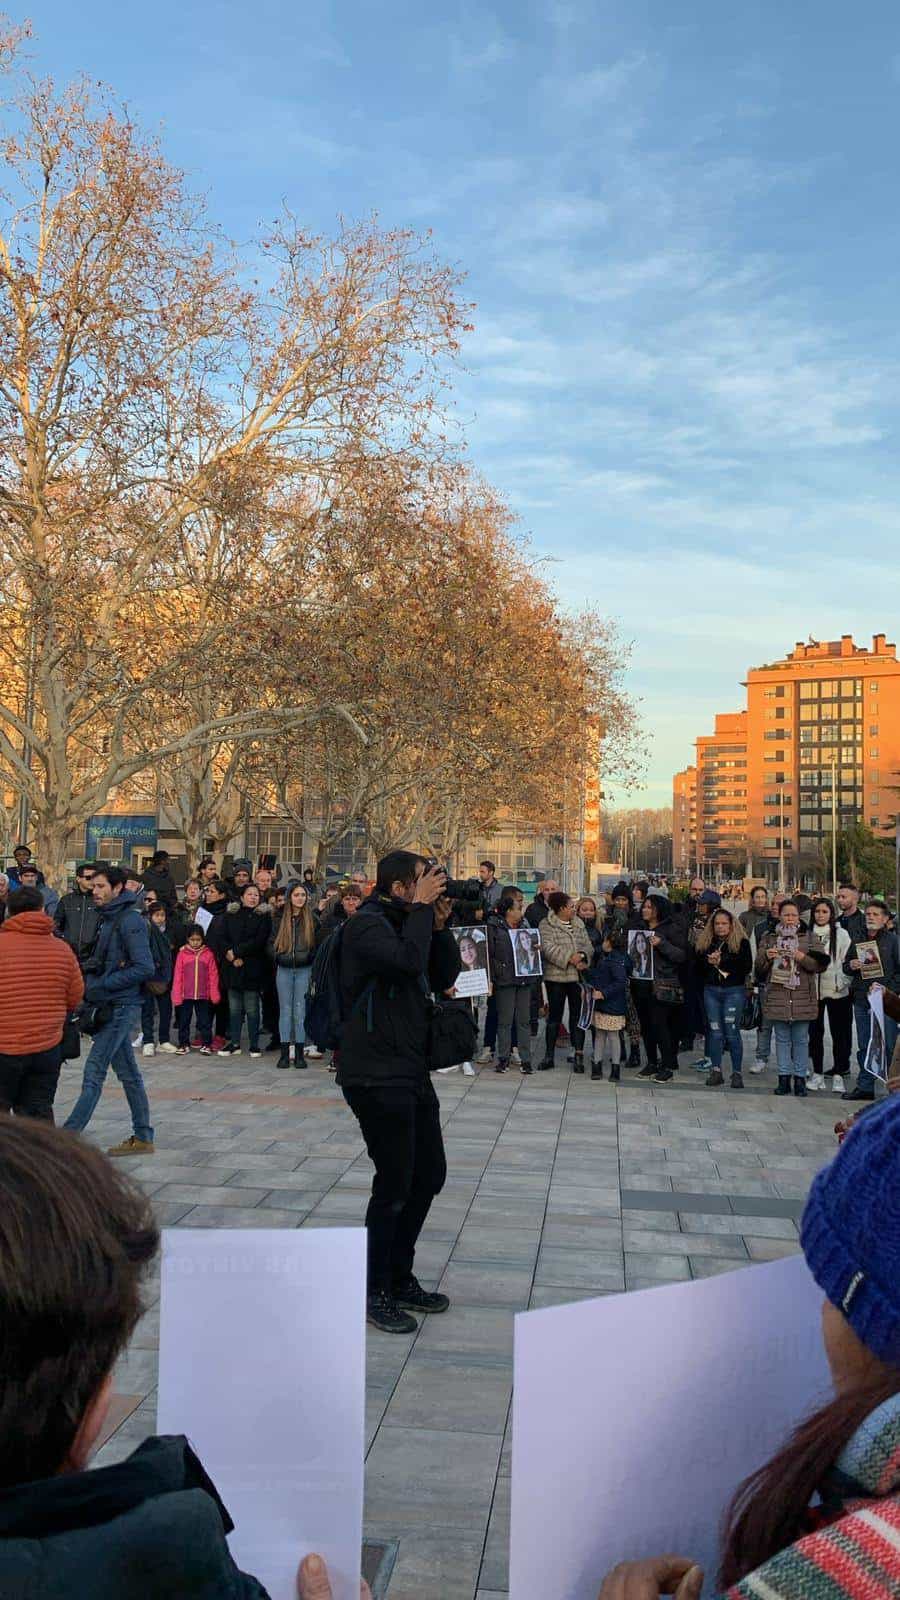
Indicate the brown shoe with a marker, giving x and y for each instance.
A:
(132, 1147)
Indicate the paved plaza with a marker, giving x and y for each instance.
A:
(559, 1189)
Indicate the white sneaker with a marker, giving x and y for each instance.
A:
(149, 1050)
(837, 1084)
(311, 1053)
(816, 1082)
(514, 1053)
(442, 1071)
(468, 1070)
(169, 1049)
(255, 1055)
(759, 1066)
(487, 1054)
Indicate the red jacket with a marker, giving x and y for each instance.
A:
(196, 976)
(40, 982)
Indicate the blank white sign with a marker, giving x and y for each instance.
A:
(262, 1365)
(636, 1416)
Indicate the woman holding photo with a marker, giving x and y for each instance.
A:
(834, 1000)
(790, 960)
(723, 962)
(567, 951)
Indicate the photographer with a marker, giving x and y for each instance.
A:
(114, 980)
(383, 1072)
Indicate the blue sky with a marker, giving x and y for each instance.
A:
(680, 226)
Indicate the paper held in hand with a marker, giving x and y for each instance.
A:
(876, 1056)
(636, 1416)
(262, 1365)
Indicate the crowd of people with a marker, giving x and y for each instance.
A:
(642, 978)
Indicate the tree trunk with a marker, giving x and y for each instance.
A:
(56, 843)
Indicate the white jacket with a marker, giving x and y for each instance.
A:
(833, 982)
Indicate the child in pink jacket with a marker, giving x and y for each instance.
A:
(195, 987)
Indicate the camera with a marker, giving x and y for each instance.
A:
(469, 890)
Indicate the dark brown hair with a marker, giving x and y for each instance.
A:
(558, 901)
(75, 1238)
(768, 1511)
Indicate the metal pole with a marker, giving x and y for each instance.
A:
(834, 826)
(28, 719)
(781, 883)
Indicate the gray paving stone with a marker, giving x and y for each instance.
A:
(493, 1283)
(419, 1479)
(592, 1269)
(452, 1396)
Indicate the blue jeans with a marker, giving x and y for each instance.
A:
(112, 1048)
(723, 1013)
(792, 1049)
(863, 1034)
(243, 1003)
(148, 1016)
(292, 984)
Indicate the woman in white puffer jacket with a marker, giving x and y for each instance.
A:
(834, 1000)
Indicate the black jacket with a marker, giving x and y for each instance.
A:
(216, 936)
(537, 911)
(77, 918)
(889, 950)
(151, 1527)
(671, 954)
(444, 965)
(595, 934)
(300, 953)
(246, 932)
(500, 954)
(160, 879)
(384, 994)
(855, 924)
(734, 971)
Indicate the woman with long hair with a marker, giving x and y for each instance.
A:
(567, 952)
(666, 1005)
(835, 1002)
(789, 959)
(293, 947)
(724, 962)
(821, 1520)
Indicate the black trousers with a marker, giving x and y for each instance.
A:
(28, 1083)
(642, 995)
(840, 1021)
(667, 1022)
(557, 995)
(402, 1128)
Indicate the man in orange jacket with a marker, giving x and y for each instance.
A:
(40, 983)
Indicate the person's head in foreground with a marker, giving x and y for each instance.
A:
(77, 1239)
(821, 1520)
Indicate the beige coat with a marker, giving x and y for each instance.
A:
(560, 940)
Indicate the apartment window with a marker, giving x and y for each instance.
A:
(809, 713)
(779, 691)
(873, 822)
(873, 730)
(768, 694)
(809, 691)
(873, 753)
(873, 798)
(828, 689)
(774, 733)
(873, 775)
(873, 686)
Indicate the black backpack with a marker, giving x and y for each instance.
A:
(323, 998)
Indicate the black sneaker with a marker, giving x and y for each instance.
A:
(230, 1050)
(663, 1076)
(546, 1065)
(858, 1094)
(737, 1080)
(526, 1069)
(649, 1070)
(502, 1065)
(715, 1079)
(383, 1312)
(799, 1087)
(412, 1297)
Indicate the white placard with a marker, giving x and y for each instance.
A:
(636, 1416)
(262, 1365)
(876, 1055)
(203, 918)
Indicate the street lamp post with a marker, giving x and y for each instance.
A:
(781, 837)
(834, 825)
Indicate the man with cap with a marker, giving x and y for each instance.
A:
(241, 875)
(21, 855)
(158, 877)
(30, 878)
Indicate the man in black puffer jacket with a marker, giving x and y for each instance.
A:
(76, 916)
(383, 1071)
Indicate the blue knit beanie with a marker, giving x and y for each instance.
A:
(851, 1229)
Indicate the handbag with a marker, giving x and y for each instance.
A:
(667, 993)
(70, 1043)
(452, 1033)
(751, 1016)
(156, 986)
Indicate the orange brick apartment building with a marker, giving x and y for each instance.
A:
(829, 713)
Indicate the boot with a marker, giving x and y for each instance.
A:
(737, 1080)
(784, 1083)
(299, 1056)
(578, 1061)
(284, 1060)
(648, 1071)
(615, 1073)
(596, 1070)
(546, 1065)
(502, 1065)
(800, 1088)
(634, 1059)
(715, 1079)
